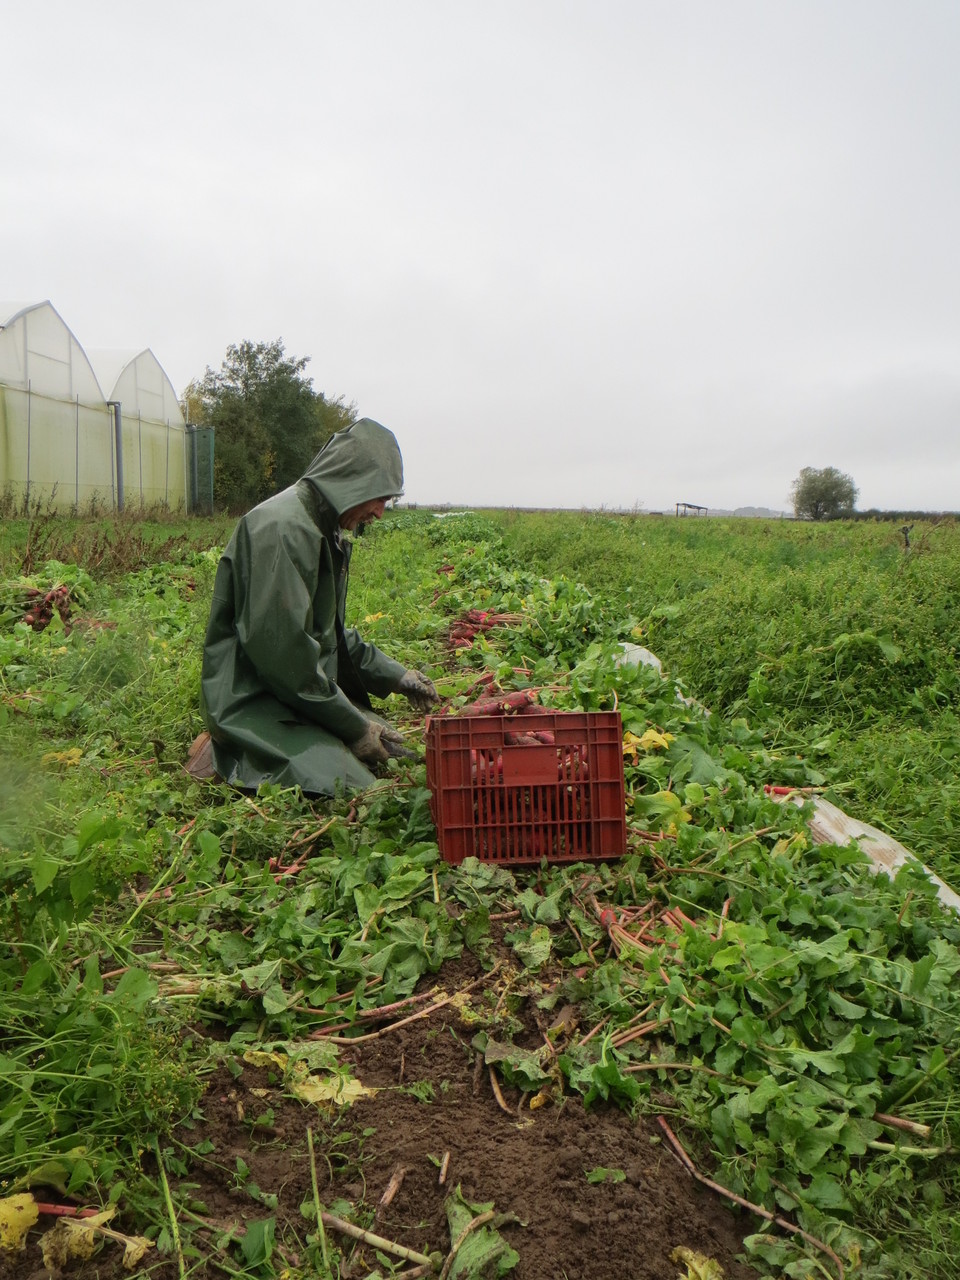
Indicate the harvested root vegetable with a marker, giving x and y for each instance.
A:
(521, 740)
(36, 607)
(502, 705)
(465, 629)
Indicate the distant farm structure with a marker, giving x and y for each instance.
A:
(83, 429)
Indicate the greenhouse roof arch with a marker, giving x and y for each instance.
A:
(137, 380)
(38, 351)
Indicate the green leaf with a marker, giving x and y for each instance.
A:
(766, 1092)
(94, 828)
(811, 1147)
(534, 947)
(136, 988)
(845, 1008)
(258, 1242)
(522, 1067)
(726, 957)
(44, 871)
(82, 885)
(232, 948)
(691, 762)
(727, 1057)
(609, 1083)
(825, 1192)
(275, 999)
(920, 977)
(600, 1174)
(36, 977)
(861, 1055)
(209, 846)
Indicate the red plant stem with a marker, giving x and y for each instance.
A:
(495, 1086)
(159, 966)
(672, 1066)
(637, 1017)
(626, 1036)
(746, 1204)
(682, 915)
(625, 938)
(66, 1210)
(395, 1026)
(593, 1030)
(908, 1126)
(386, 1009)
(347, 995)
(723, 916)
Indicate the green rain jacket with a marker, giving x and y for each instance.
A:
(284, 684)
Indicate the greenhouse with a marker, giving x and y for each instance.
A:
(152, 427)
(83, 430)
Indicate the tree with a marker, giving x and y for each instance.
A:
(267, 419)
(827, 494)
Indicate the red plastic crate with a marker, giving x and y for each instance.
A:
(500, 802)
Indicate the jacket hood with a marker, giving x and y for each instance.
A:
(356, 465)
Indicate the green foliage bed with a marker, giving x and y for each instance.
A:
(795, 997)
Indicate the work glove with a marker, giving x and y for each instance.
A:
(379, 744)
(419, 691)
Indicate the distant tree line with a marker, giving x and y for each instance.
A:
(267, 418)
(903, 516)
(829, 494)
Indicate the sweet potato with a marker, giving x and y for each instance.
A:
(504, 704)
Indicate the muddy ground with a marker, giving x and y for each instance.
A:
(434, 1104)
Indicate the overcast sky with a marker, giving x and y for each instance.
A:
(614, 254)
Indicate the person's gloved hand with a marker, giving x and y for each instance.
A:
(379, 744)
(392, 742)
(419, 691)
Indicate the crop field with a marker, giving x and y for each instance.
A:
(274, 1036)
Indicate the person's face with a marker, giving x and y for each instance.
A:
(363, 512)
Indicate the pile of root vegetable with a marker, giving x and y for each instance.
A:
(36, 606)
(463, 631)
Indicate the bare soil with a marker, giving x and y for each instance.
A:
(431, 1099)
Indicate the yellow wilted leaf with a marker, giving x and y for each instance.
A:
(72, 756)
(340, 1090)
(699, 1267)
(136, 1247)
(374, 617)
(650, 740)
(17, 1216)
(260, 1058)
(72, 1239)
